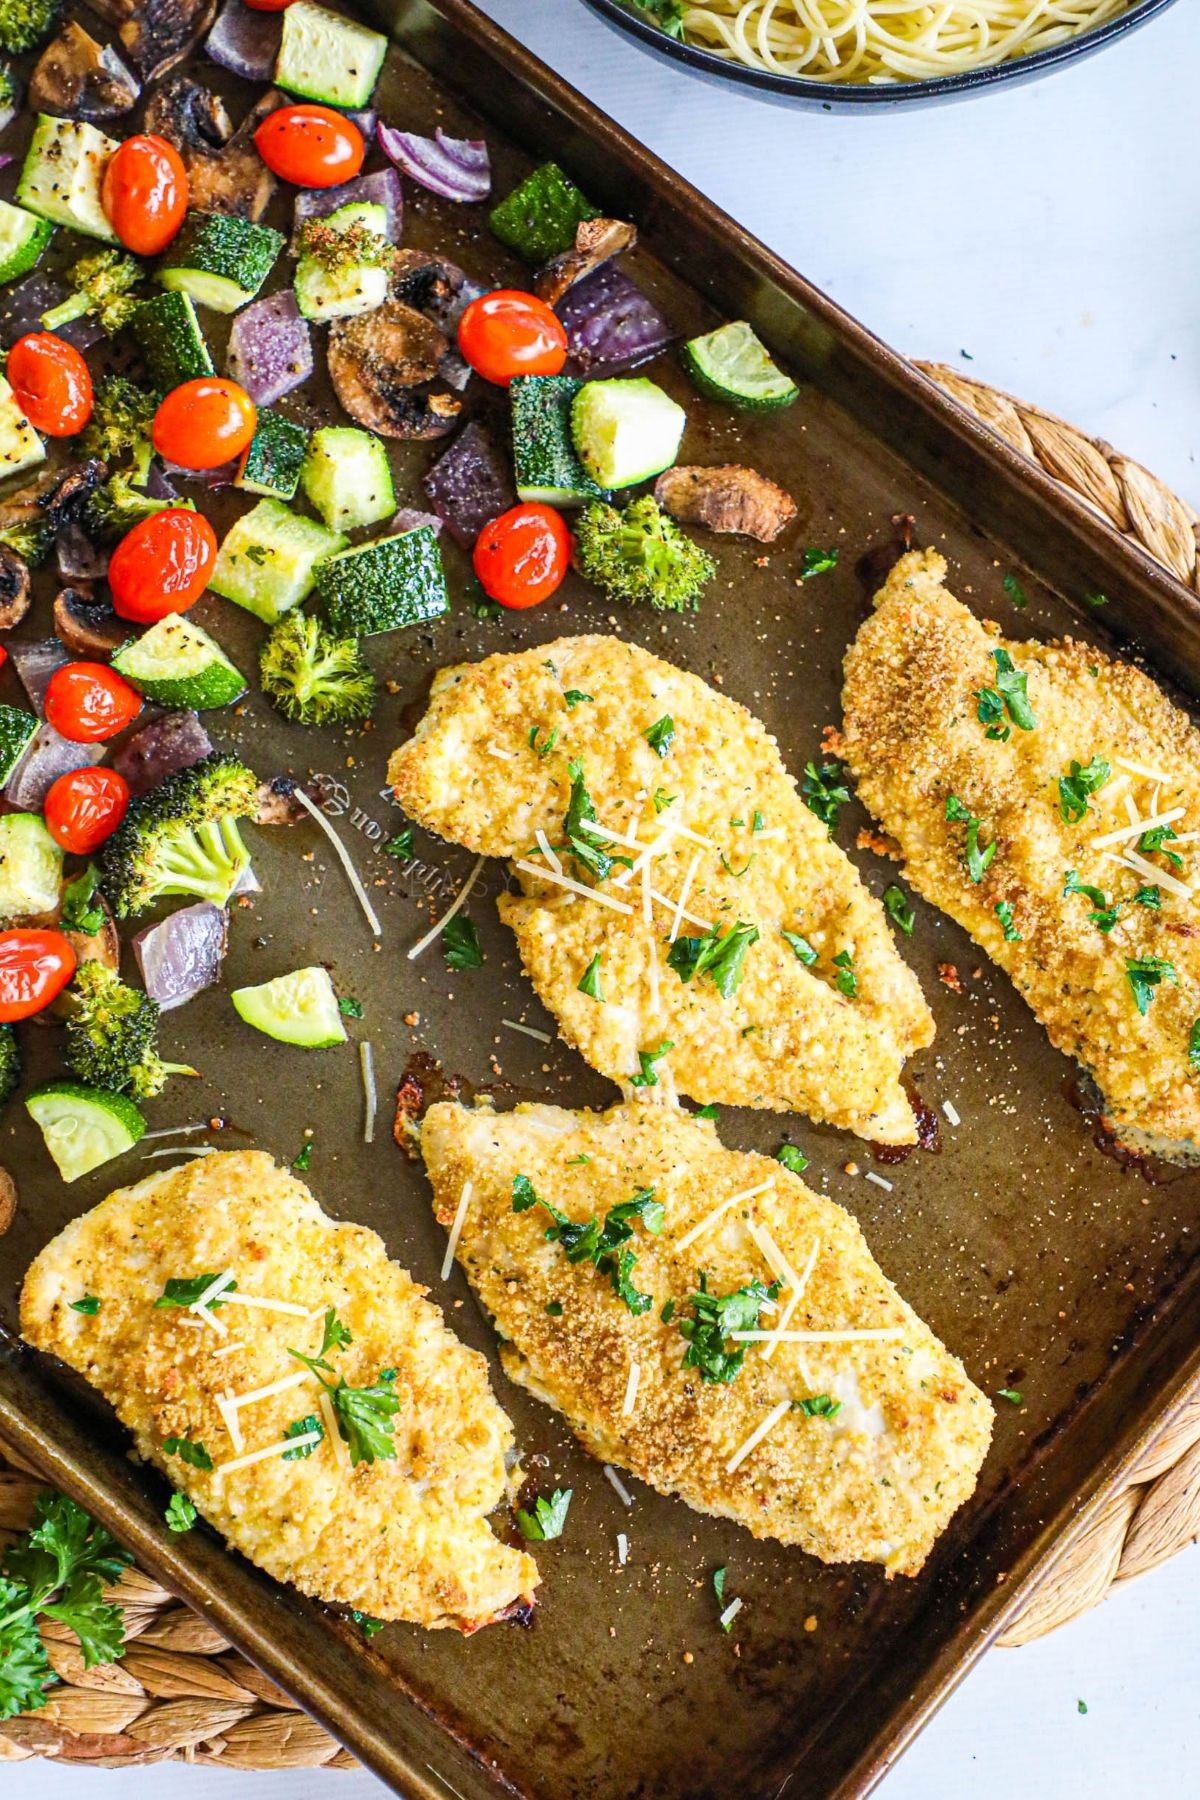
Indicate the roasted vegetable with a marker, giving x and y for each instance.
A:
(30, 539)
(10, 1062)
(111, 1036)
(102, 286)
(313, 676)
(640, 554)
(182, 838)
(25, 24)
(120, 424)
(117, 506)
(81, 78)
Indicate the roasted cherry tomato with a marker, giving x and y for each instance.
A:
(88, 702)
(507, 333)
(312, 146)
(51, 383)
(35, 967)
(269, 5)
(145, 194)
(162, 566)
(204, 423)
(522, 556)
(84, 807)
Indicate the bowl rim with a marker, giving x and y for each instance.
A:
(833, 95)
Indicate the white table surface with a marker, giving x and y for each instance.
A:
(1050, 231)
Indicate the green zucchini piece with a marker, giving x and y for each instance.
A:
(23, 237)
(220, 260)
(268, 560)
(17, 729)
(30, 866)
(272, 464)
(167, 332)
(300, 1008)
(539, 217)
(626, 430)
(548, 469)
(325, 57)
(348, 478)
(20, 445)
(353, 285)
(176, 663)
(732, 364)
(384, 585)
(60, 181)
(83, 1127)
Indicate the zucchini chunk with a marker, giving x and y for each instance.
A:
(61, 177)
(30, 866)
(23, 237)
(167, 332)
(325, 57)
(732, 364)
(179, 665)
(20, 445)
(384, 585)
(83, 1127)
(626, 430)
(348, 478)
(220, 260)
(17, 729)
(268, 560)
(548, 469)
(272, 463)
(539, 217)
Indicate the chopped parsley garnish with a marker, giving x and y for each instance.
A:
(181, 1514)
(80, 908)
(898, 907)
(792, 1157)
(460, 943)
(990, 712)
(757, 822)
(542, 750)
(818, 1406)
(580, 813)
(645, 1076)
(1095, 601)
(816, 562)
(548, 1517)
(583, 1157)
(349, 1007)
(1012, 1395)
(604, 1246)
(737, 873)
(57, 1570)
(1004, 912)
(301, 1428)
(1145, 973)
(303, 1161)
(708, 1112)
(719, 1585)
(1155, 839)
(1194, 1047)
(576, 697)
(721, 957)
(714, 1319)
(976, 859)
(89, 1305)
(1014, 590)
(590, 985)
(1105, 916)
(364, 1415)
(185, 1290)
(554, 1308)
(401, 845)
(195, 1455)
(845, 981)
(1009, 694)
(824, 791)
(803, 949)
(366, 1624)
(661, 735)
(668, 1312)
(1081, 1706)
(1148, 896)
(1075, 787)
(662, 800)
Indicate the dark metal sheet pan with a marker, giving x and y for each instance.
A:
(1038, 1258)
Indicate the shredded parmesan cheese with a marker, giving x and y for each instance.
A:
(214, 1290)
(547, 850)
(573, 887)
(952, 1113)
(730, 1614)
(1143, 769)
(543, 1037)
(178, 1150)
(867, 1334)
(718, 1212)
(622, 1548)
(176, 1130)
(460, 1216)
(257, 1456)
(756, 1437)
(343, 856)
(772, 1255)
(265, 1305)
(366, 1063)
(1136, 827)
(460, 900)
(685, 890)
(665, 900)
(329, 1419)
(283, 1386)
(1132, 860)
(227, 1407)
(793, 1302)
(879, 1180)
(622, 1492)
(631, 1388)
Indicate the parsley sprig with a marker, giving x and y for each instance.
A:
(364, 1415)
(548, 1517)
(604, 1246)
(714, 1319)
(581, 812)
(720, 956)
(1075, 788)
(58, 1570)
(824, 791)
(1009, 695)
(1145, 974)
(977, 857)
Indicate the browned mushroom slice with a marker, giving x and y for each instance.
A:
(81, 78)
(85, 626)
(16, 588)
(597, 241)
(728, 498)
(157, 33)
(225, 172)
(380, 364)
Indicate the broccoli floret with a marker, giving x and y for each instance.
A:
(641, 554)
(26, 24)
(101, 283)
(338, 251)
(313, 676)
(119, 427)
(32, 540)
(10, 1062)
(117, 505)
(112, 1035)
(181, 838)
(8, 89)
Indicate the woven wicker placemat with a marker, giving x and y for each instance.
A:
(182, 1691)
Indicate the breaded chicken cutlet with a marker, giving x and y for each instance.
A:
(379, 1500)
(1047, 797)
(622, 1253)
(683, 914)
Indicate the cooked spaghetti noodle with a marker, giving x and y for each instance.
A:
(885, 40)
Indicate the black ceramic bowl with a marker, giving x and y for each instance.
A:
(832, 97)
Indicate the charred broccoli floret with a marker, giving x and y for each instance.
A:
(10, 1062)
(640, 554)
(119, 427)
(26, 24)
(102, 285)
(30, 539)
(181, 838)
(313, 676)
(116, 505)
(112, 1036)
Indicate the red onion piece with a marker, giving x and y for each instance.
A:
(78, 558)
(611, 324)
(22, 306)
(469, 484)
(365, 117)
(410, 518)
(47, 757)
(270, 348)
(7, 115)
(172, 741)
(245, 42)
(181, 955)
(453, 168)
(380, 188)
(35, 664)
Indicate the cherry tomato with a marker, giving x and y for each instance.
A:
(312, 146)
(162, 565)
(522, 556)
(35, 967)
(88, 702)
(204, 423)
(84, 807)
(51, 383)
(269, 5)
(507, 333)
(145, 194)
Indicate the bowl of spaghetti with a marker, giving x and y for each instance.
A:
(840, 53)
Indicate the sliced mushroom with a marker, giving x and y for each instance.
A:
(225, 172)
(429, 283)
(157, 33)
(597, 241)
(380, 364)
(85, 626)
(81, 78)
(728, 498)
(16, 588)
(65, 491)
